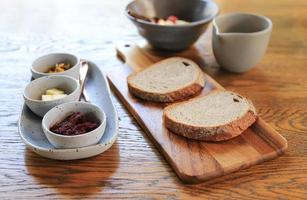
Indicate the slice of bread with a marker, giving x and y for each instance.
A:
(167, 81)
(217, 116)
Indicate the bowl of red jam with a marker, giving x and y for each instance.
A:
(74, 125)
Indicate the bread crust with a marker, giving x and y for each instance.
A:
(186, 92)
(213, 134)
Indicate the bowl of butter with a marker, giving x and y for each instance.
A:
(46, 92)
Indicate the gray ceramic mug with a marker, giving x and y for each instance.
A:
(240, 40)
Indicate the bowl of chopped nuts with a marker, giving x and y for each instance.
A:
(56, 64)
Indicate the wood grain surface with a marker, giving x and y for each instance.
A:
(132, 168)
(193, 161)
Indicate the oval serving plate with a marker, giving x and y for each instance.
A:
(98, 90)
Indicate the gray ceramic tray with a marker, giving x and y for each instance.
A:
(97, 88)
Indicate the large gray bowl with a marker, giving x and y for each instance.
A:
(168, 37)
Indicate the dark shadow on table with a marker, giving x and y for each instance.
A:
(83, 177)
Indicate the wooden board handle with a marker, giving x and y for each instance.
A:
(132, 56)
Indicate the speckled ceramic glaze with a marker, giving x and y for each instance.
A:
(59, 113)
(42, 64)
(31, 132)
(35, 89)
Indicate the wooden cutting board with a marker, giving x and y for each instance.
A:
(193, 161)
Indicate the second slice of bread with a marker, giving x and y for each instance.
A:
(217, 116)
(167, 81)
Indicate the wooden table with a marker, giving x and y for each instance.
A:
(132, 168)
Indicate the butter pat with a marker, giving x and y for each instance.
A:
(53, 94)
(53, 97)
(54, 91)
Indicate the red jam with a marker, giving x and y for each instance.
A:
(75, 124)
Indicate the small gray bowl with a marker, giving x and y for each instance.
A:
(172, 37)
(59, 113)
(34, 90)
(41, 65)
(240, 40)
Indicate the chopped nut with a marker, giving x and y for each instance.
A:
(59, 67)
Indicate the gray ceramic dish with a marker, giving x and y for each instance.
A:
(31, 132)
(239, 40)
(169, 37)
(60, 112)
(43, 63)
(37, 87)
